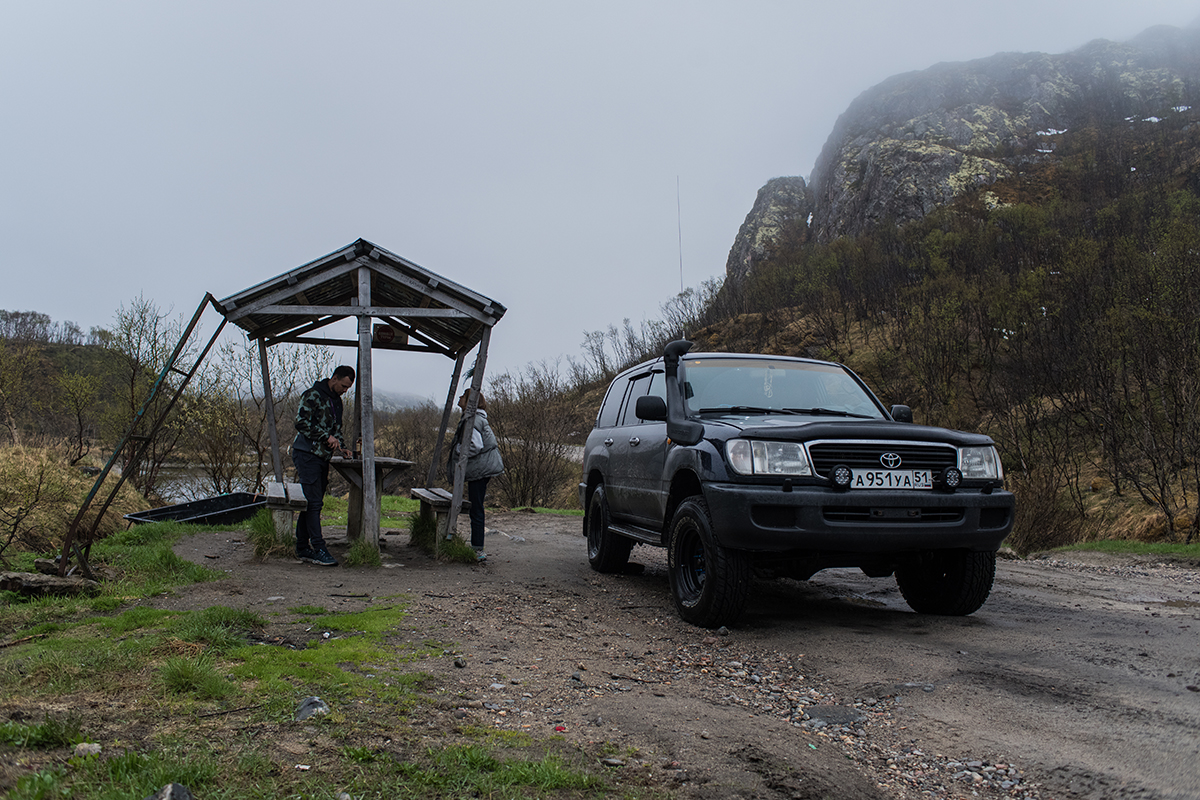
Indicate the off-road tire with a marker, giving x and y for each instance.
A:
(607, 551)
(710, 583)
(951, 583)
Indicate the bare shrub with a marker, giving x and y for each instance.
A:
(1045, 517)
(226, 409)
(409, 434)
(530, 414)
(40, 495)
(30, 491)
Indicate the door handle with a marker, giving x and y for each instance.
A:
(635, 441)
(608, 442)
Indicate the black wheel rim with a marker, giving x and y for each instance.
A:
(689, 563)
(595, 528)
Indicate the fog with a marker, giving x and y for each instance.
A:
(578, 163)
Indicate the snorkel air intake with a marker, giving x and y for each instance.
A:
(680, 429)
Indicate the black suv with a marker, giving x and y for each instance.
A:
(778, 466)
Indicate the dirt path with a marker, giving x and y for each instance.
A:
(1075, 680)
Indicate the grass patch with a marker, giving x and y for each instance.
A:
(562, 512)
(267, 540)
(48, 733)
(424, 537)
(395, 506)
(217, 770)
(1182, 551)
(308, 611)
(239, 698)
(363, 554)
(218, 628)
(198, 698)
(335, 511)
(194, 676)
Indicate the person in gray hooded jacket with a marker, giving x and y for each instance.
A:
(483, 464)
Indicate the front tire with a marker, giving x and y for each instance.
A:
(952, 583)
(710, 583)
(607, 551)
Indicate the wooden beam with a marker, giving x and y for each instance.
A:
(460, 468)
(315, 325)
(430, 288)
(441, 437)
(370, 516)
(418, 334)
(381, 257)
(276, 459)
(411, 348)
(285, 291)
(368, 310)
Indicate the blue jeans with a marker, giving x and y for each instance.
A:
(313, 475)
(476, 491)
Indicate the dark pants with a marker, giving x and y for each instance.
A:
(313, 475)
(476, 490)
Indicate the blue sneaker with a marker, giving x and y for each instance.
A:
(319, 557)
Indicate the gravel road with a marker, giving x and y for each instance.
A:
(1077, 679)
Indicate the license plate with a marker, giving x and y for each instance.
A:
(892, 479)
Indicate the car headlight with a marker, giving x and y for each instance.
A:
(767, 458)
(980, 463)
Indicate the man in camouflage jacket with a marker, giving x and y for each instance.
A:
(318, 438)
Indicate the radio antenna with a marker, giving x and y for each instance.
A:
(679, 224)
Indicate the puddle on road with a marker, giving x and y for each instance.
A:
(1167, 603)
(859, 600)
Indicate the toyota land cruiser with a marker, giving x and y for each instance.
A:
(745, 464)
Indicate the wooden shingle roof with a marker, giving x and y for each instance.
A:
(428, 312)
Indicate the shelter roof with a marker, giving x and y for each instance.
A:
(428, 312)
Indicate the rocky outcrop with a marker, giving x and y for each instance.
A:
(919, 140)
(780, 215)
(923, 139)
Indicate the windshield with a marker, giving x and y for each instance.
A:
(754, 386)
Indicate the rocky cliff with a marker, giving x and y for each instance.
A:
(780, 214)
(923, 139)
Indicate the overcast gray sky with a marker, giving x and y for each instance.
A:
(528, 150)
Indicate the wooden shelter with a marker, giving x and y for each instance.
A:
(418, 311)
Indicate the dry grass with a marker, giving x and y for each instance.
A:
(40, 494)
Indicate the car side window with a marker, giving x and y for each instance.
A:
(658, 386)
(612, 405)
(637, 387)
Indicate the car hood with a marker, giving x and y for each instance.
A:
(800, 429)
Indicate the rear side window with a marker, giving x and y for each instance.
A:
(638, 387)
(612, 404)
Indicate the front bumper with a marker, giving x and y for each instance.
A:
(814, 518)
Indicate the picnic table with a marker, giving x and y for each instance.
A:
(387, 471)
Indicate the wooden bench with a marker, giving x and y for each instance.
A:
(435, 507)
(283, 499)
(286, 496)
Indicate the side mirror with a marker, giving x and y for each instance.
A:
(650, 408)
(902, 414)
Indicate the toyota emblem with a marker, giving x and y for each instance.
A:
(890, 460)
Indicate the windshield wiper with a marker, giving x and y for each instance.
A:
(828, 412)
(746, 410)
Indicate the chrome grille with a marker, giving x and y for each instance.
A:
(866, 454)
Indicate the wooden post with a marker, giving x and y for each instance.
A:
(269, 401)
(464, 449)
(370, 495)
(441, 440)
